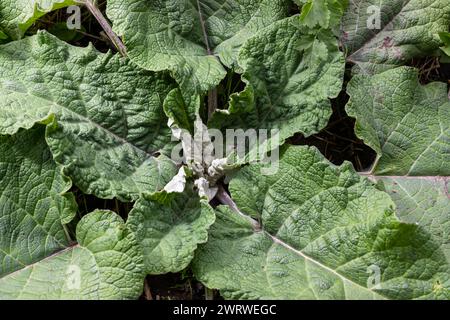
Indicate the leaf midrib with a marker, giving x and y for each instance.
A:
(56, 105)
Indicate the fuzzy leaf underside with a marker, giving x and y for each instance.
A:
(191, 37)
(169, 229)
(407, 29)
(327, 233)
(110, 123)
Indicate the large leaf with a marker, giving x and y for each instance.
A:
(186, 36)
(424, 201)
(327, 233)
(407, 124)
(34, 205)
(16, 16)
(110, 118)
(105, 264)
(38, 260)
(169, 228)
(382, 34)
(290, 77)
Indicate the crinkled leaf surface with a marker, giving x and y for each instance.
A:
(187, 36)
(33, 204)
(105, 264)
(109, 114)
(16, 16)
(424, 201)
(3, 36)
(169, 227)
(406, 29)
(407, 124)
(288, 85)
(327, 233)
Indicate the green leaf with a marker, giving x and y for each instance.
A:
(424, 201)
(445, 38)
(34, 205)
(288, 83)
(16, 16)
(105, 264)
(61, 31)
(315, 12)
(407, 124)
(387, 33)
(186, 37)
(169, 228)
(3, 36)
(326, 233)
(323, 13)
(109, 113)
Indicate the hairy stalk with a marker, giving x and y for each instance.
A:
(106, 27)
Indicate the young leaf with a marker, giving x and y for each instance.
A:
(186, 37)
(388, 33)
(288, 85)
(16, 16)
(327, 233)
(407, 124)
(315, 12)
(109, 114)
(105, 264)
(169, 228)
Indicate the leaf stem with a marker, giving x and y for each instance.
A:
(106, 27)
